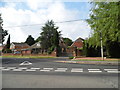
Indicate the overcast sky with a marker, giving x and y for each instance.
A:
(32, 12)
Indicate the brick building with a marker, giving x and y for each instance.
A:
(17, 47)
(76, 48)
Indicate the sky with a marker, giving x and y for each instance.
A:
(34, 14)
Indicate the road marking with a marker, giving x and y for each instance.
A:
(48, 68)
(93, 69)
(35, 68)
(17, 69)
(76, 70)
(30, 70)
(11, 67)
(111, 69)
(45, 70)
(5, 69)
(22, 68)
(60, 70)
(2, 67)
(26, 63)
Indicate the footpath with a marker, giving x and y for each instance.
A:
(89, 60)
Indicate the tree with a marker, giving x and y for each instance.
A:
(30, 40)
(104, 21)
(67, 41)
(6, 49)
(49, 36)
(3, 32)
(8, 42)
(38, 39)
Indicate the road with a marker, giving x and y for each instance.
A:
(46, 73)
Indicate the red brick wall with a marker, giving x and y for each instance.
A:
(77, 44)
(21, 47)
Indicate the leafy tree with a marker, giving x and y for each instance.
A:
(104, 21)
(67, 41)
(30, 40)
(49, 36)
(3, 32)
(38, 39)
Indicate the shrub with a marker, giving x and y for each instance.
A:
(71, 57)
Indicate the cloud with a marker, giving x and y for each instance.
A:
(39, 13)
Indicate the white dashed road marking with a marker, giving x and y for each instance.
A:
(95, 71)
(77, 70)
(7, 69)
(47, 69)
(11, 67)
(2, 67)
(60, 70)
(35, 68)
(29, 70)
(111, 69)
(17, 69)
(22, 68)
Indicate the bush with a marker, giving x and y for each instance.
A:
(51, 49)
(71, 57)
(6, 51)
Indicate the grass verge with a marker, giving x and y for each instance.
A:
(96, 60)
(18, 56)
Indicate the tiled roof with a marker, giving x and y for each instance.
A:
(36, 45)
(20, 44)
(78, 43)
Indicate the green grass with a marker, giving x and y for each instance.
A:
(18, 56)
(94, 60)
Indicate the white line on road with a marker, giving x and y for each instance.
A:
(48, 68)
(45, 70)
(35, 68)
(76, 70)
(93, 69)
(17, 69)
(5, 69)
(22, 68)
(60, 70)
(11, 67)
(29, 70)
(111, 69)
(2, 67)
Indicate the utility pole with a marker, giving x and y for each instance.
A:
(101, 46)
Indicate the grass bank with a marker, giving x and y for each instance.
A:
(18, 56)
